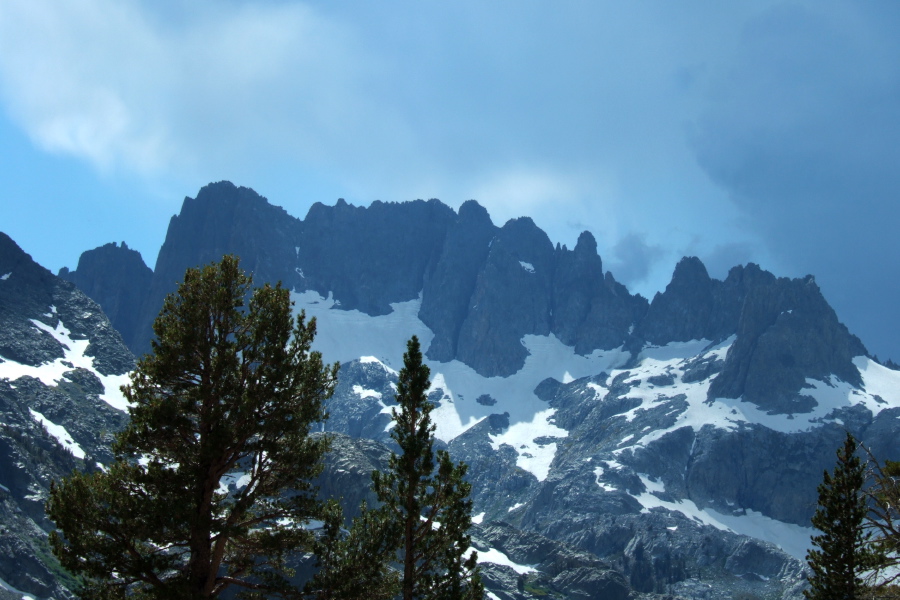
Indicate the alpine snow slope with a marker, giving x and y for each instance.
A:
(680, 440)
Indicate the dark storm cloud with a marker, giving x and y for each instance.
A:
(633, 258)
(725, 256)
(802, 129)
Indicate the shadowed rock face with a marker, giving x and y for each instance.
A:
(511, 299)
(589, 310)
(117, 279)
(694, 306)
(222, 219)
(526, 287)
(448, 286)
(786, 333)
(491, 287)
(371, 257)
(683, 311)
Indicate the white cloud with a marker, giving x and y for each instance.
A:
(115, 84)
(565, 196)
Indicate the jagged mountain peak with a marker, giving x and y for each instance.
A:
(690, 274)
(472, 211)
(586, 245)
(471, 275)
(225, 192)
(222, 219)
(786, 335)
(116, 277)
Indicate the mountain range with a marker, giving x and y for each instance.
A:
(618, 447)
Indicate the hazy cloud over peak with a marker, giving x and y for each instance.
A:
(633, 258)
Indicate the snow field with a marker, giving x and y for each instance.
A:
(347, 335)
(533, 457)
(51, 373)
(492, 555)
(59, 432)
(793, 539)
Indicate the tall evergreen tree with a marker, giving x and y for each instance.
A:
(425, 498)
(843, 554)
(354, 563)
(227, 397)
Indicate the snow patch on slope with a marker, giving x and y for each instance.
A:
(51, 373)
(598, 475)
(878, 381)
(881, 390)
(446, 417)
(344, 335)
(793, 539)
(364, 393)
(492, 555)
(59, 432)
(533, 457)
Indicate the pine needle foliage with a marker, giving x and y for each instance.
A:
(229, 392)
(425, 498)
(841, 555)
(354, 563)
(883, 523)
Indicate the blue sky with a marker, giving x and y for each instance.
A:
(762, 131)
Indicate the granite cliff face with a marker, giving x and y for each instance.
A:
(511, 299)
(787, 333)
(449, 284)
(370, 257)
(222, 219)
(591, 310)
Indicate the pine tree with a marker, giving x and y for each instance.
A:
(426, 498)
(842, 555)
(354, 563)
(228, 395)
